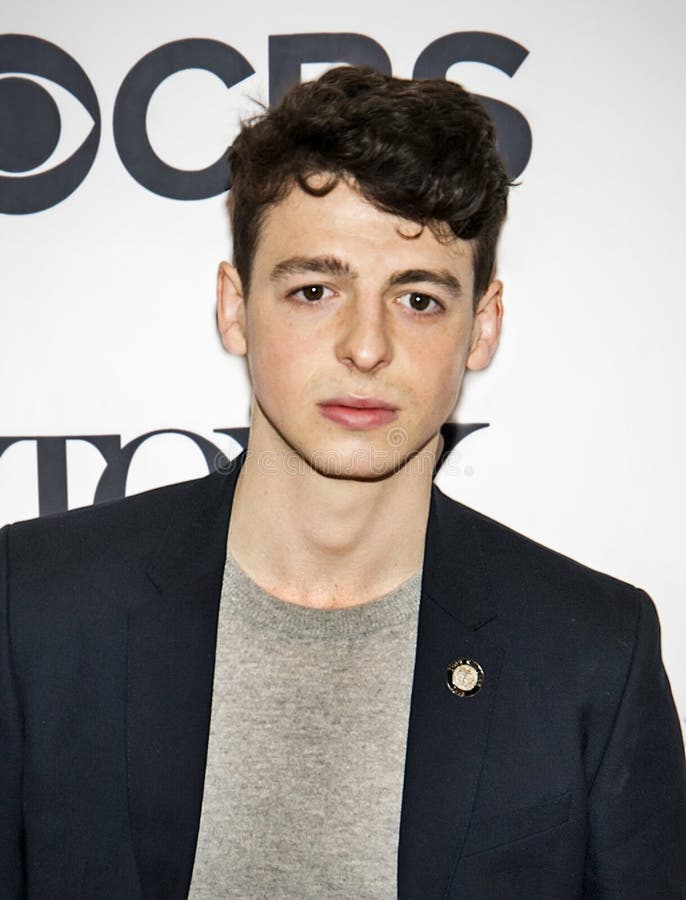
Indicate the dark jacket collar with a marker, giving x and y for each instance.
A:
(195, 544)
(455, 571)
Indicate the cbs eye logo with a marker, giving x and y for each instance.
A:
(38, 169)
(27, 185)
(31, 122)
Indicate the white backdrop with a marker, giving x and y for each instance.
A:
(106, 319)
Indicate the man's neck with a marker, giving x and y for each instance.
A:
(328, 542)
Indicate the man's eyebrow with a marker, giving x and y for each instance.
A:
(441, 278)
(320, 265)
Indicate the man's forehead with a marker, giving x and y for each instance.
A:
(344, 210)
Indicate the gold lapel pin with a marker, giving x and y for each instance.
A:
(465, 677)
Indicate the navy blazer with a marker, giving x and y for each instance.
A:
(563, 777)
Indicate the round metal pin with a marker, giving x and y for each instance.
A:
(465, 677)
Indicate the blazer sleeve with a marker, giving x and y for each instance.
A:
(11, 749)
(638, 798)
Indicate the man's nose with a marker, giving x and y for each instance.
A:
(364, 341)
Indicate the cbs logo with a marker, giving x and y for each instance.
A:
(31, 181)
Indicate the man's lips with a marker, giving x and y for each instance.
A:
(358, 413)
(358, 402)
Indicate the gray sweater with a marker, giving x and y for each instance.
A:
(307, 746)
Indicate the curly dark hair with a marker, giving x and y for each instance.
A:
(422, 150)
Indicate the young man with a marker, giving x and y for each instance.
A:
(316, 676)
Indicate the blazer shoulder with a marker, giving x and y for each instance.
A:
(100, 536)
(537, 584)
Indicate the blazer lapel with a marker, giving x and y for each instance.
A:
(170, 670)
(447, 734)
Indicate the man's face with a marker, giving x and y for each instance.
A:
(357, 332)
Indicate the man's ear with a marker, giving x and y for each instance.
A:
(231, 309)
(488, 320)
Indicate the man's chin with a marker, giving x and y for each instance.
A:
(369, 464)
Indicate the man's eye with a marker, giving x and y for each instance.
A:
(312, 292)
(419, 302)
